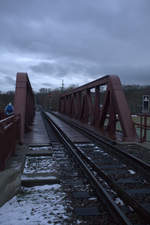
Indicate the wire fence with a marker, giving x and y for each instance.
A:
(142, 124)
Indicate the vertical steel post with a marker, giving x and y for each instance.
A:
(145, 127)
(20, 100)
(24, 102)
(96, 106)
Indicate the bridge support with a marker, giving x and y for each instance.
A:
(24, 102)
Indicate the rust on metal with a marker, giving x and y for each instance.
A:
(85, 105)
(2, 115)
(24, 102)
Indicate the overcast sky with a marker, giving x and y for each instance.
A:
(74, 40)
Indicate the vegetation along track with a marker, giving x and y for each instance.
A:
(118, 177)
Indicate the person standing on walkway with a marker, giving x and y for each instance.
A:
(9, 109)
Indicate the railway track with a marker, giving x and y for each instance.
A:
(110, 146)
(120, 180)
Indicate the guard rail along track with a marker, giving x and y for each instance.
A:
(121, 180)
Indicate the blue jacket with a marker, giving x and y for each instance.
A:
(9, 109)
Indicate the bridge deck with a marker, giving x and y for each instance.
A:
(38, 134)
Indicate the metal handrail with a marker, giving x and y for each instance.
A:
(9, 135)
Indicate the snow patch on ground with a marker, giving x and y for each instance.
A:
(24, 177)
(131, 172)
(40, 148)
(39, 205)
(39, 164)
(118, 201)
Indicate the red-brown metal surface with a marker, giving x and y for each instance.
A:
(2, 115)
(9, 134)
(86, 106)
(24, 102)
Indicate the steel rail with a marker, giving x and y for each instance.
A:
(122, 194)
(112, 207)
(134, 162)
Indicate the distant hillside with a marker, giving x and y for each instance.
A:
(5, 98)
(49, 98)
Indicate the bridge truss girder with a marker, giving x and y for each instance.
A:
(86, 106)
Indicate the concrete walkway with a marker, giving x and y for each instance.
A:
(38, 134)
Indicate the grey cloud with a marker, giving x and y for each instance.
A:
(10, 80)
(6, 83)
(59, 69)
(84, 38)
(48, 85)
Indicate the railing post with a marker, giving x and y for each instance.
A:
(96, 106)
(145, 128)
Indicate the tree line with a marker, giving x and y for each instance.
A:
(49, 98)
(5, 98)
(134, 95)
